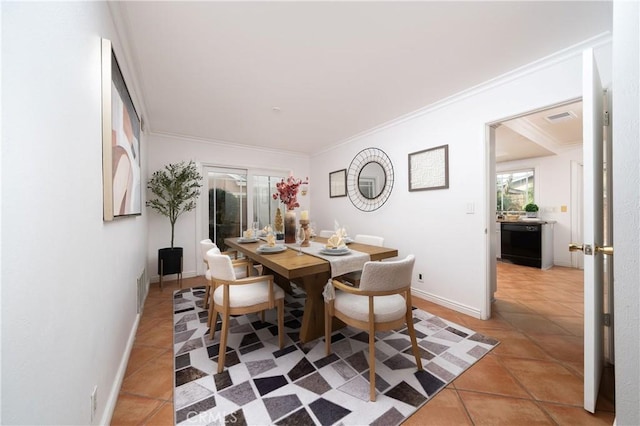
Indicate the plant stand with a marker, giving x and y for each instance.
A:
(170, 262)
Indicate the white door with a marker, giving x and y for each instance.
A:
(593, 114)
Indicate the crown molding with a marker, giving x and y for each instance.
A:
(540, 64)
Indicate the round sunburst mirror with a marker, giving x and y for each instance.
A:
(370, 179)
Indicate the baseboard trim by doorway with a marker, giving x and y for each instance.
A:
(467, 310)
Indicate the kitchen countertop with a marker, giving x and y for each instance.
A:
(526, 221)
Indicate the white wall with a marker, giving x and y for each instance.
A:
(553, 190)
(626, 218)
(68, 278)
(449, 243)
(188, 232)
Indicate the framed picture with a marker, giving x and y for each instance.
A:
(429, 169)
(121, 180)
(338, 183)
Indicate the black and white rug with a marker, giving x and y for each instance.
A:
(299, 385)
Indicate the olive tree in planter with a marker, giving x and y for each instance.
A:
(175, 189)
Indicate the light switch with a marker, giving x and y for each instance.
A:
(563, 209)
(470, 208)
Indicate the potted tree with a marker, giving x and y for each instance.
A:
(175, 188)
(531, 209)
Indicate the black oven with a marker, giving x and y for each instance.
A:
(521, 243)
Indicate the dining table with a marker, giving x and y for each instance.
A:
(306, 271)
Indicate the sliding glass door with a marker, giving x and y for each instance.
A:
(264, 206)
(226, 191)
(233, 198)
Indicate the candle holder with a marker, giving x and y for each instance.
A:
(307, 233)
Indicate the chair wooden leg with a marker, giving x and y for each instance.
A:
(205, 303)
(327, 329)
(262, 315)
(223, 340)
(372, 362)
(414, 342)
(412, 334)
(213, 320)
(281, 322)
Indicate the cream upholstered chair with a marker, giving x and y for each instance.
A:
(242, 268)
(372, 240)
(382, 302)
(325, 233)
(238, 296)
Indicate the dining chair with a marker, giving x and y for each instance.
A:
(242, 270)
(372, 240)
(325, 233)
(382, 302)
(239, 296)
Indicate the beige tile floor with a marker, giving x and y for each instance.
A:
(533, 377)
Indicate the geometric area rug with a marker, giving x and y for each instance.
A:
(298, 385)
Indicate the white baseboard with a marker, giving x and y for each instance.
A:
(187, 274)
(467, 310)
(115, 389)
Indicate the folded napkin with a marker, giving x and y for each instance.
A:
(271, 240)
(266, 229)
(340, 230)
(335, 242)
(248, 233)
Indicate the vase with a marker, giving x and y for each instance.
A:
(290, 226)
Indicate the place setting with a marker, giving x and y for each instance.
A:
(336, 244)
(250, 235)
(271, 246)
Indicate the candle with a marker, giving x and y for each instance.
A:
(304, 215)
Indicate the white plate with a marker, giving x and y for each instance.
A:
(335, 252)
(243, 240)
(348, 240)
(275, 249)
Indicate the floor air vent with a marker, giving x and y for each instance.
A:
(143, 289)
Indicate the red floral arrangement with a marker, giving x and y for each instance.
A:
(288, 191)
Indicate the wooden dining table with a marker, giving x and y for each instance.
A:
(308, 272)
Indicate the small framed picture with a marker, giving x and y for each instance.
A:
(429, 169)
(338, 183)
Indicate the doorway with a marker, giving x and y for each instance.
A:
(546, 144)
(550, 191)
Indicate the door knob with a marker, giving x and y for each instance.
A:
(587, 249)
(575, 247)
(608, 250)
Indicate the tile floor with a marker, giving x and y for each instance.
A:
(533, 377)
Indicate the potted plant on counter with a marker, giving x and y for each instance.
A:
(531, 209)
(175, 188)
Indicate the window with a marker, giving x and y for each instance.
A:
(514, 190)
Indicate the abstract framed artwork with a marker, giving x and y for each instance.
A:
(338, 183)
(121, 179)
(429, 169)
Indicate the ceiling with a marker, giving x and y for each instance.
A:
(304, 76)
(548, 132)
